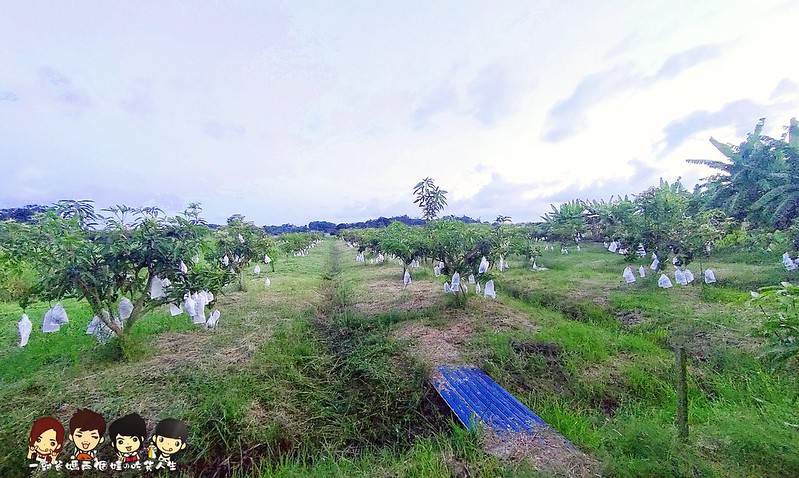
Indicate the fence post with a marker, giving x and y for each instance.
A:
(682, 395)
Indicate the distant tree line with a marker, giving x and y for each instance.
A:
(26, 213)
(21, 214)
(332, 228)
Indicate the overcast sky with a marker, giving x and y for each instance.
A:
(332, 110)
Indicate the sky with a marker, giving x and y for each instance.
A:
(290, 112)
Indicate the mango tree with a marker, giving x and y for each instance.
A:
(363, 239)
(525, 241)
(122, 258)
(238, 244)
(294, 242)
(430, 198)
(566, 221)
(18, 274)
(781, 324)
(664, 220)
(703, 230)
(460, 246)
(406, 243)
(502, 236)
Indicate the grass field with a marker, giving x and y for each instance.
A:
(324, 373)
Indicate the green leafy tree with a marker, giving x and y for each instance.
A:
(17, 272)
(241, 242)
(81, 210)
(566, 221)
(663, 213)
(525, 241)
(502, 236)
(120, 259)
(703, 231)
(781, 323)
(598, 218)
(295, 242)
(779, 205)
(460, 246)
(747, 173)
(406, 243)
(430, 198)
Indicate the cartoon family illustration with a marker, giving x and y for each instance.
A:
(127, 437)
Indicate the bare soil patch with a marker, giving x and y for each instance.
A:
(630, 318)
(435, 346)
(550, 351)
(441, 345)
(384, 295)
(546, 449)
(703, 344)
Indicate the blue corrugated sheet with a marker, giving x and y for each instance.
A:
(475, 398)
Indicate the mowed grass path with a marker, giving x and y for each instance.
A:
(324, 373)
(301, 378)
(172, 368)
(601, 367)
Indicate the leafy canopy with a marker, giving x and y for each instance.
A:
(430, 198)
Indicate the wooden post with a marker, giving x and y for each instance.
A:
(682, 395)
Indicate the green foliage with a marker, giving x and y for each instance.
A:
(502, 236)
(17, 273)
(663, 212)
(613, 220)
(781, 323)
(460, 246)
(295, 242)
(62, 256)
(430, 198)
(567, 221)
(406, 243)
(525, 240)
(701, 233)
(756, 181)
(239, 243)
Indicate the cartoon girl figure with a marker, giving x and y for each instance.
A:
(46, 440)
(169, 438)
(127, 436)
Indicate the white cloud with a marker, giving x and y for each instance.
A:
(296, 112)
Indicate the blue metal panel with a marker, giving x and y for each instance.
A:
(509, 400)
(512, 411)
(474, 397)
(481, 400)
(456, 403)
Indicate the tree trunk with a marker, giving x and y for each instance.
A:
(105, 317)
(701, 273)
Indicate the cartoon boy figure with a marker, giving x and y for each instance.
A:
(169, 438)
(46, 440)
(127, 437)
(86, 430)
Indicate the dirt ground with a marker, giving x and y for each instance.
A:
(437, 345)
(382, 295)
(547, 449)
(441, 342)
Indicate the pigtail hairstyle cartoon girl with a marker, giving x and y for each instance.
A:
(127, 436)
(46, 439)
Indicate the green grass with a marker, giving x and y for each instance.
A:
(616, 397)
(302, 379)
